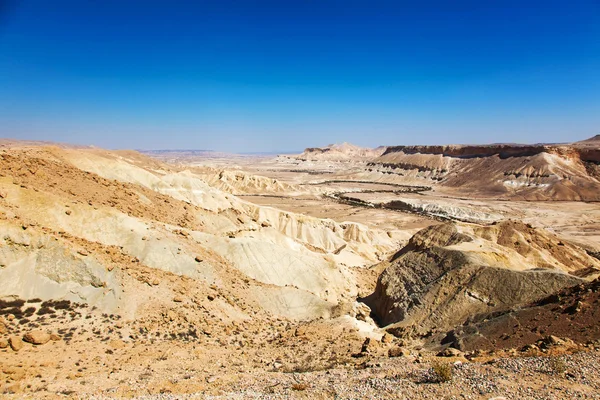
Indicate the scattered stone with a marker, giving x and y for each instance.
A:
(575, 308)
(398, 352)
(450, 352)
(387, 338)
(171, 315)
(37, 337)
(530, 347)
(15, 343)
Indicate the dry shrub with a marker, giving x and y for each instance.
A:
(441, 371)
(299, 386)
(557, 365)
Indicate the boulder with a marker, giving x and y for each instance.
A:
(15, 343)
(37, 337)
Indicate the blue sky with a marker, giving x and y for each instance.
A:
(246, 76)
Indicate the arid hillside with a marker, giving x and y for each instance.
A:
(125, 276)
(531, 172)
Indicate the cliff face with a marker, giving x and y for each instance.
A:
(530, 172)
(586, 153)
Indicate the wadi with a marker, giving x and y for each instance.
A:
(454, 271)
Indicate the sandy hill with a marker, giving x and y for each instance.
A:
(593, 141)
(166, 220)
(339, 152)
(241, 183)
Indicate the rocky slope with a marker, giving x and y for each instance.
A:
(450, 272)
(58, 205)
(532, 172)
(570, 313)
(241, 183)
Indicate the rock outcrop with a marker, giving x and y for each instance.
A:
(450, 272)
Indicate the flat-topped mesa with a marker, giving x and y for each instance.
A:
(587, 150)
(474, 151)
(534, 172)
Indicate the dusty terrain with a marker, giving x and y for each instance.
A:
(341, 272)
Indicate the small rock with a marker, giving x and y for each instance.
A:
(530, 347)
(300, 331)
(178, 299)
(3, 328)
(387, 338)
(171, 315)
(198, 259)
(15, 343)
(68, 212)
(450, 352)
(55, 338)
(37, 337)
(398, 352)
(3, 343)
(277, 365)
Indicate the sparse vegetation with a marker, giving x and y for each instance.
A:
(557, 365)
(299, 386)
(441, 371)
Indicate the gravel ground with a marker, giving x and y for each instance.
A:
(574, 376)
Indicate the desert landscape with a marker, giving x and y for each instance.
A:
(318, 200)
(455, 271)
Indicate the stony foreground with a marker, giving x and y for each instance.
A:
(306, 361)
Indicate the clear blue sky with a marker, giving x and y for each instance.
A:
(283, 75)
